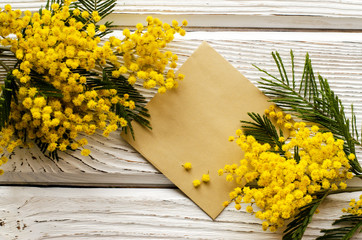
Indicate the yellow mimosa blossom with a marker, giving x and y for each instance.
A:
(355, 207)
(57, 45)
(205, 178)
(196, 183)
(187, 165)
(287, 182)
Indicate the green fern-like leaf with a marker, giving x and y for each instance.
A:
(351, 225)
(105, 80)
(139, 114)
(296, 228)
(2, 64)
(43, 148)
(262, 129)
(103, 7)
(8, 93)
(311, 100)
(44, 88)
(8, 87)
(50, 2)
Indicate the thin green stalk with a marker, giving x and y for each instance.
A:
(347, 190)
(4, 66)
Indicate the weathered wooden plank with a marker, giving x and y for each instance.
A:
(98, 213)
(86, 179)
(330, 14)
(337, 56)
(350, 8)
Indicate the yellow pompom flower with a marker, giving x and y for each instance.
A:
(351, 156)
(162, 90)
(174, 23)
(76, 12)
(196, 183)
(102, 28)
(149, 19)
(249, 209)
(205, 178)
(7, 7)
(85, 14)
(55, 6)
(187, 166)
(139, 26)
(85, 152)
(229, 178)
(315, 128)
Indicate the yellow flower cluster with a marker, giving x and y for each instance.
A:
(286, 182)
(205, 179)
(55, 45)
(12, 22)
(196, 183)
(187, 166)
(355, 207)
(151, 63)
(282, 120)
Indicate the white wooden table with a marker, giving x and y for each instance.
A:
(117, 194)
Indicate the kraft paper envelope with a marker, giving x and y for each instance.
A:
(192, 124)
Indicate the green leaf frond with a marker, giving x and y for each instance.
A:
(262, 129)
(2, 64)
(139, 113)
(7, 58)
(312, 100)
(296, 228)
(350, 225)
(355, 134)
(109, 26)
(43, 148)
(44, 88)
(103, 7)
(50, 2)
(8, 93)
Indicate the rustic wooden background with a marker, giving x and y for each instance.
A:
(116, 193)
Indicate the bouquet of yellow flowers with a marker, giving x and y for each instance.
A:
(66, 81)
(284, 179)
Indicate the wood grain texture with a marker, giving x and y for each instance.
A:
(328, 14)
(343, 8)
(72, 213)
(336, 56)
(157, 210)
